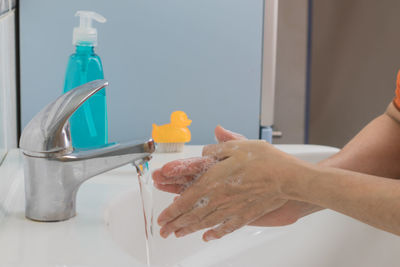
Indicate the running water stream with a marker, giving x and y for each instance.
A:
(146, 194)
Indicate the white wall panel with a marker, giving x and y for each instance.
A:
(8, 129)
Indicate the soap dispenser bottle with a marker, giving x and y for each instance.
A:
(89, 126)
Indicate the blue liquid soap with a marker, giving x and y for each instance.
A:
(89, 125)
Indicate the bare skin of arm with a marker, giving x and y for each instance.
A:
(375, 150)
(369, 198)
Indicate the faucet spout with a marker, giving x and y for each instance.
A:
(54, 170)
(97, 161)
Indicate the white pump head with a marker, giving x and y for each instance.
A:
(85, 33)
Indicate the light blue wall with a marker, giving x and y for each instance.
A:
(200, 56)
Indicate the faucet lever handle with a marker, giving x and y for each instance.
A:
(48, 131)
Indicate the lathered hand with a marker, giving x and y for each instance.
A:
(178, 175)
(243, 186)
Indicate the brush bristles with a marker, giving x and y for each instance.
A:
(170, 147)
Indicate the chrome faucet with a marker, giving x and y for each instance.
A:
(54, 170)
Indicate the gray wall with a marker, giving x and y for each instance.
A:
(203, 57)
(355, 58)
(291, 71)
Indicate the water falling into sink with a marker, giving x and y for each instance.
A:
(146, 196)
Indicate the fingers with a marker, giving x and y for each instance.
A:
(176, 176)
(186, 167)
(170, 188)
(248, 212)
(194, 193)
(204, 214)
(220, 151)
(224, 150)
(161, 179)
(180, 206)
(210, 220)
(223, 135)
(194, 217)
(223, 229)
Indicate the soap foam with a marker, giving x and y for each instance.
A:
(201, 203)
(185, 186)
(189, 162)
(203, 168)
(235, 147)
(235, 179)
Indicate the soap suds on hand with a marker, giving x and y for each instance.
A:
(201, 203)
(186, 186)
(235, 179)
(199, 165)
(200, 170)
(235, 147)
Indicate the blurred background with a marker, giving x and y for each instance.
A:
(311, 71)
(355, 59)
(202, 57)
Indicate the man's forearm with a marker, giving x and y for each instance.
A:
(370, 199)
(375, 150)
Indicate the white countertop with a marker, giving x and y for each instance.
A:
(84, 239)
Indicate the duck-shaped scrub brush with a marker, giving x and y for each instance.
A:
(172, 137)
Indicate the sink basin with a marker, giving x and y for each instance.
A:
(322, 239)
(108, 229)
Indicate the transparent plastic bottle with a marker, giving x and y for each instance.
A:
(89, 125)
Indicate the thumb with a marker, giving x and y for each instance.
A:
(223, 135)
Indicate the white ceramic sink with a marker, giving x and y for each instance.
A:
(108, 229)
(322, 239)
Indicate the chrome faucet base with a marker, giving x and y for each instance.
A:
(54, 170)
(48, 199)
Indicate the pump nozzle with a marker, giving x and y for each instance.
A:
(85, 33)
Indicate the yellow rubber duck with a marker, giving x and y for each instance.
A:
(176, 131)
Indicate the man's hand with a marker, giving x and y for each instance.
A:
(178, 175)
(244, 185)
